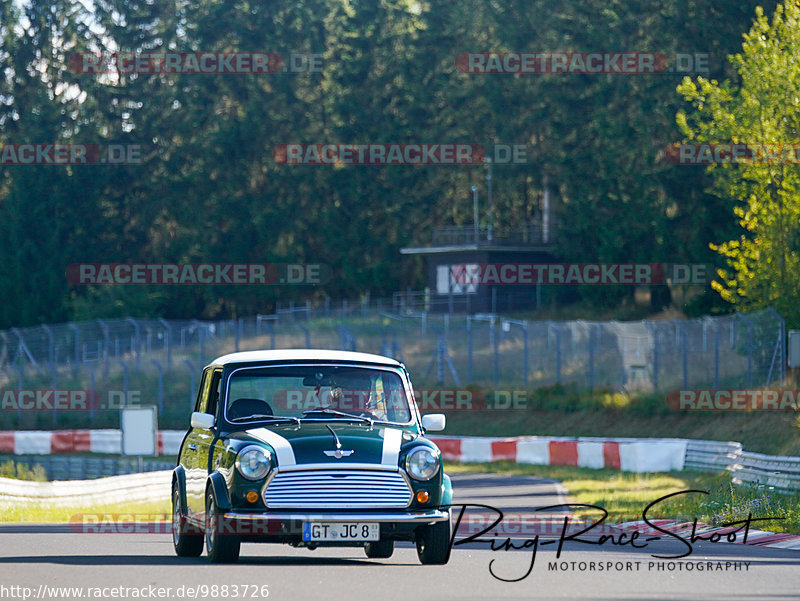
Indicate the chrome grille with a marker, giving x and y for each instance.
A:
(338, 489)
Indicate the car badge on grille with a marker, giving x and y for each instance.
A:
(338, 453)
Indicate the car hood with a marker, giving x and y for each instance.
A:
(315, 443)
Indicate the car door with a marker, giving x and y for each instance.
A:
(196, 471)
(206, 437)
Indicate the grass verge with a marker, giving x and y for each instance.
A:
(42, 513)
(625, 495)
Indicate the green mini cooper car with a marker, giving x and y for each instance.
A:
(310, 448)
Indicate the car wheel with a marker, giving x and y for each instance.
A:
(380, 549)
(221, 548)
(433, 543)
(186, 544)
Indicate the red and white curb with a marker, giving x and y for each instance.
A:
(760, 538)
(626, 454)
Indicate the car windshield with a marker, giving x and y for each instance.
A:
(316, 392)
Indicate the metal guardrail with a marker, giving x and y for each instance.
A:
(782, 473)
(711, 455)
(778, 472)
(85, 468)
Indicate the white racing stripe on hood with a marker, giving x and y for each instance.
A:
(391, 446)
(283, 449)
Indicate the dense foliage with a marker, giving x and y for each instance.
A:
(761, 110)
(209, 188)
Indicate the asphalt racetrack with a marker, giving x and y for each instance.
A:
(39, 561)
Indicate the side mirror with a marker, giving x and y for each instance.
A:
(204, 421)
(433, 422)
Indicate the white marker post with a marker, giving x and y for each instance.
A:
(139, 431)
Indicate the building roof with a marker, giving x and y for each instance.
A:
(433, 250)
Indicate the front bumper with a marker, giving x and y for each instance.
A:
(287, 526)
(417, 517)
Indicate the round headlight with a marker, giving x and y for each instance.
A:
(422, 463)
(253, 462)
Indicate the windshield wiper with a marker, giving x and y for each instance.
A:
(270, 418)
(326, 411)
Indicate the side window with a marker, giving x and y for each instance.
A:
(214, 390)
(202, 394)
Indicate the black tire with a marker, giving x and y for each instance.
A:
(186, 544)
(381, 549)
(220, 548)
(433, 543)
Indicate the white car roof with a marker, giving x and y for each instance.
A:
(303, 355)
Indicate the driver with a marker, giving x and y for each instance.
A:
(362, 399)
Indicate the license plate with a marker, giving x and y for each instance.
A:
(341, 531)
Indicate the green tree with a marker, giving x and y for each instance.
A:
(761, 108)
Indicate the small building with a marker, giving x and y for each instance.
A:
(458, 272)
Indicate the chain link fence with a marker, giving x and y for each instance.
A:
(157, 361)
